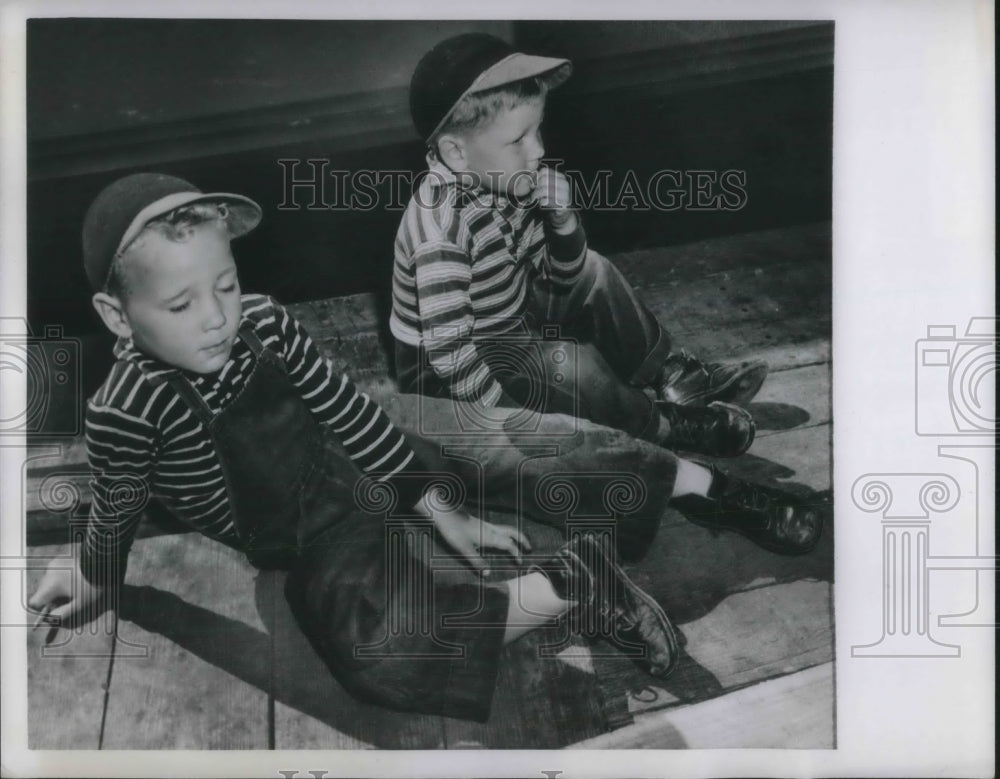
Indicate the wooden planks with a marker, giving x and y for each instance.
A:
(746, 638)
(793, 458)
(790, 712)
(66, 679)
(228, 668)
(806, 243)
(746, 614)
(794, 398)
(206, 679)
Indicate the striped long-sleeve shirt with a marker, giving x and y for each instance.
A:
(143, 440)
(461, 274)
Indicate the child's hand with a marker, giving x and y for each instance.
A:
(469, 536)
(553, 195)
(64, 597)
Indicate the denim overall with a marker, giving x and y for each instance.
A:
(292, 498)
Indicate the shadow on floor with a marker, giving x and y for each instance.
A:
(687, 569)
(777, 416)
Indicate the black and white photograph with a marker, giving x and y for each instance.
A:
(465, 385)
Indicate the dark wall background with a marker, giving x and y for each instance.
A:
(221, 101)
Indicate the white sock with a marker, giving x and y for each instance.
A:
(692, 479)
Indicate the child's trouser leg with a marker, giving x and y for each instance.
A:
(576, 379)
(602, 308)
(547, 467)
(365, 595)
(547, 376)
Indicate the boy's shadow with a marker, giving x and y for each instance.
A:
(777, 416)
(281, 663)
(686, 569)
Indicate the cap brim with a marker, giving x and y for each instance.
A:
(514, 67)
(243, 213)
(517, 67)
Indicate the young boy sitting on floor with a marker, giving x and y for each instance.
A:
(222, 406)
(490, 253)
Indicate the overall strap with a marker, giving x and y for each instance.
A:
(191, 396)
(251, 339)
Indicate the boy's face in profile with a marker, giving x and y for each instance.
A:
(182, 299)
(507, 152)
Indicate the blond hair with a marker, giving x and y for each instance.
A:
(480, 108)
(177, 226)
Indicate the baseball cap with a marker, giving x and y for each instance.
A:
(468, 63)
(123, 208)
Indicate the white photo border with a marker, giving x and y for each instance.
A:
(913, 246)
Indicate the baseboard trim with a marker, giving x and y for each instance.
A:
(377, 118)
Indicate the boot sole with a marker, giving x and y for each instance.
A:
(758, 536)
(664, 620)
(739, 390)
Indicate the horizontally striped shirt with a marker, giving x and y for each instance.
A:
(461, 273)
(140, 432)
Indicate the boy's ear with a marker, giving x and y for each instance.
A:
(112, 313)
(451, 150)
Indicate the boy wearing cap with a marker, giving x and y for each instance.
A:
(490, 255)
(220, 405)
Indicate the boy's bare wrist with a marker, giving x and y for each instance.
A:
(562, 222)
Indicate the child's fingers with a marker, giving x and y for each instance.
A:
(60, 614)
(41, 598)
(475, 560)
(520, 539)
(509, 535)
(42, 616)
(506, 544)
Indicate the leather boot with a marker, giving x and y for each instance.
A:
(688, 381)
(772, 518)
(718, 430)
(609, 605)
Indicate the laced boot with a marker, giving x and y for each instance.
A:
(688, 381)
(609, 605)
(772, 518)
(718, 429)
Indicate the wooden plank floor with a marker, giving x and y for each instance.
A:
(788, 712)
(225, 666)
(68, 677)
(192, 603)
